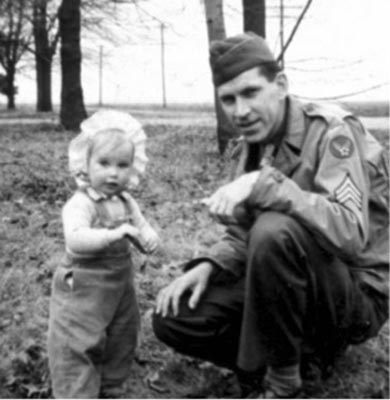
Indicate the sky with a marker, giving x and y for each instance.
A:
(340, 52)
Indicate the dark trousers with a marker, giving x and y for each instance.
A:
(294, 298)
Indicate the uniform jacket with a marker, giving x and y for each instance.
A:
(331, 175)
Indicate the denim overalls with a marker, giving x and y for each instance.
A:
(94, 320)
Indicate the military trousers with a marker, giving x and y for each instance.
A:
(93, 326)
(294, 298)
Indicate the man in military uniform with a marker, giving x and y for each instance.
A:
(302, 269)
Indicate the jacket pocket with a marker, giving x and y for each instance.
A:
(63, 279)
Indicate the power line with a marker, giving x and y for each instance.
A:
(234, 9)
(310, 59)
(341, 96)
(161, 22)
(322, 69)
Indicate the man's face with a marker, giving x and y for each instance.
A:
(254, 105)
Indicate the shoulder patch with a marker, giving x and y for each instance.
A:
(341, 147)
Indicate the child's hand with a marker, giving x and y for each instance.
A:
(150, 239)
(134, 235)
(128, 230)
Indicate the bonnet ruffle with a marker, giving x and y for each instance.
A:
(105, 120)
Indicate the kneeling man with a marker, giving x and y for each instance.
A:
(301, 271)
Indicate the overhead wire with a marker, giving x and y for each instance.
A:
(233, 12)
(344, 95)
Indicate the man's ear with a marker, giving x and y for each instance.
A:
(282, 84)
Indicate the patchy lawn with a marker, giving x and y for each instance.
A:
(184, 167)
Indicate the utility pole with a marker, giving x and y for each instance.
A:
(100, 76)
(164, 98)
(282, 34)
(284, 46)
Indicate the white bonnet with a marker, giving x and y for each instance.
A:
(105, 120)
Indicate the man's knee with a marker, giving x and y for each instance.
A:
(178, 332)
(279, 253)
(199, 336)
(163, 329)
(275, 228)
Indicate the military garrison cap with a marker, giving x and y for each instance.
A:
(234, 55)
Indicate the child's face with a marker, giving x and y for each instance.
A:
(110, 166)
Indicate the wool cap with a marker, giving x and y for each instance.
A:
(234, 55)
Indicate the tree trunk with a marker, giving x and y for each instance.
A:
(254, 16)
(13, 43)
(215, 20)
(10, 80)
(72, 111)
(43, 56)
(216, 31)
(43, 70)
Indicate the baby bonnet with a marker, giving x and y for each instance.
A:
(106, 120)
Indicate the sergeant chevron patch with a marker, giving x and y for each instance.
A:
(347, 191)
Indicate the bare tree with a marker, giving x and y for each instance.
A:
(72, 111)
(21, 23)
(46, 36)
(216, 31)
(254, 16)
(14, 40)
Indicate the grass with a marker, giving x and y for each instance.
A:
(184, 167)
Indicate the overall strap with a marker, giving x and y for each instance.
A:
(122, 196)
(105, 218)
(103, 215)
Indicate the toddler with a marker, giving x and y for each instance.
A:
(94, 315)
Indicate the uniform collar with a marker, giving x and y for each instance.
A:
(287, 158)
(295, 124)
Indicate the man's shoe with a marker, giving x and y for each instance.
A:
(112, 393)
(250, 382)
(320, 365)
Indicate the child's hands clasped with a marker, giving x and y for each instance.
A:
(145, 239)
(127, 229)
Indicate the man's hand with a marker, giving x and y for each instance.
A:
(195, 280)
(222, 203)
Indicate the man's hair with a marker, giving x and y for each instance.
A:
(269, 70)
